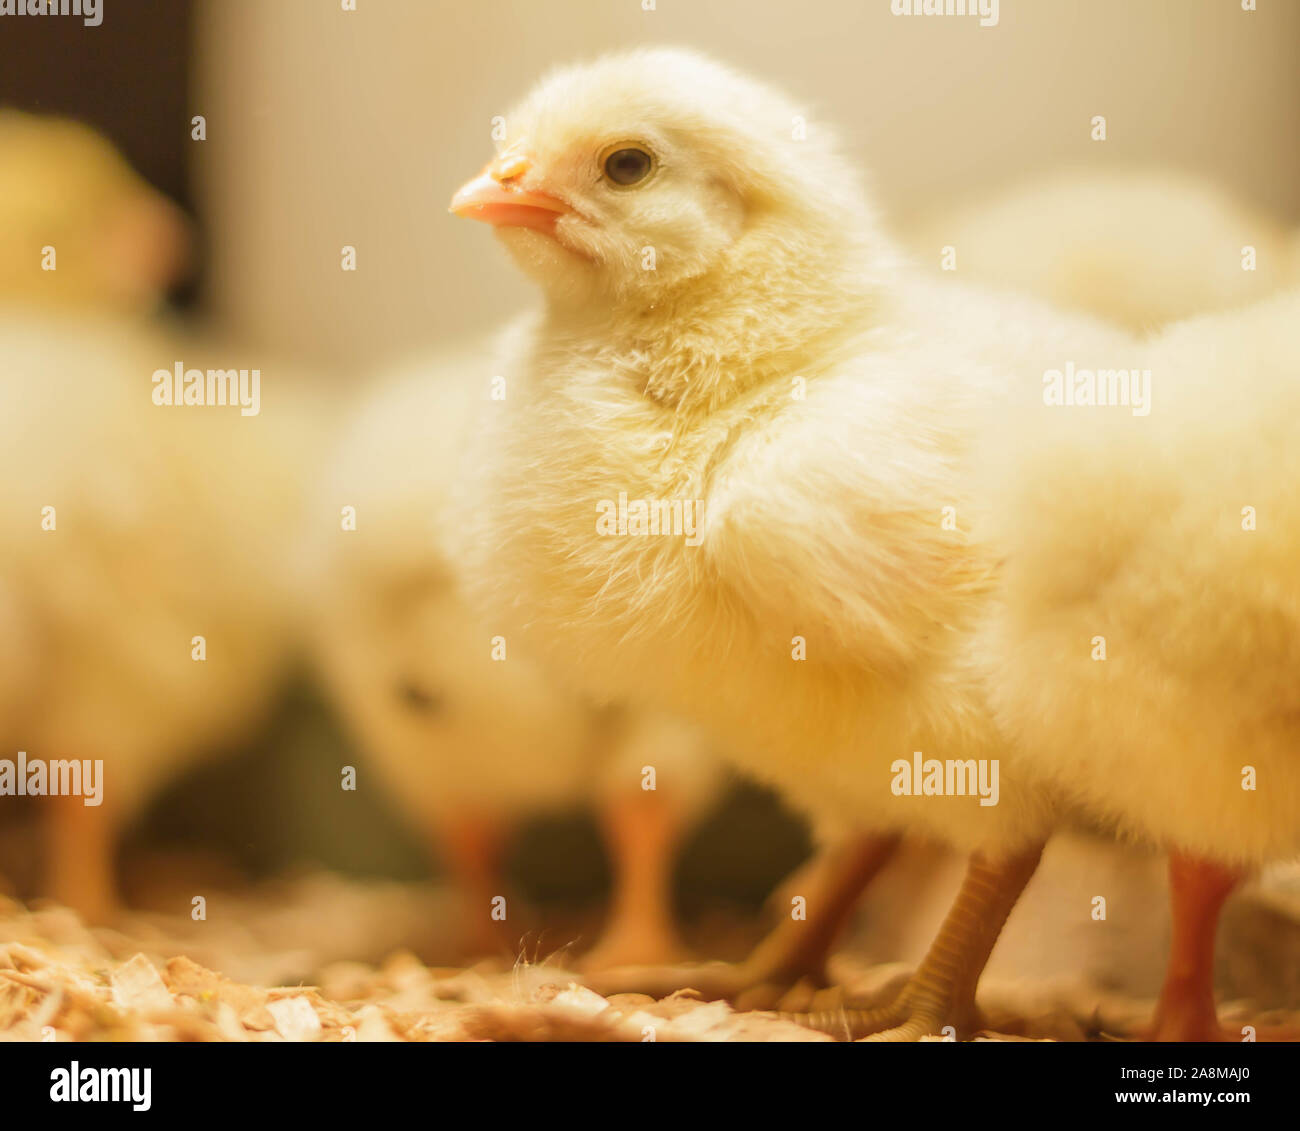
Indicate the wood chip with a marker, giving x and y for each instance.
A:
(137, 986)
(295, 1020)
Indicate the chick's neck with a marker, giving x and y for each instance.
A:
(771, 309)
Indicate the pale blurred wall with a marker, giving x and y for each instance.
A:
(329, 127)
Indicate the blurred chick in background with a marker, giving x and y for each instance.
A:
(1143, 249)
(127, 528)
(1140, 249)
(467, 744)
(117, 242)
(1174, 538)
(165, 524)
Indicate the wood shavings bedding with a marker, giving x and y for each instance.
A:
(144, 981)
(58, 981)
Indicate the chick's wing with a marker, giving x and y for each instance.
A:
(842, 512)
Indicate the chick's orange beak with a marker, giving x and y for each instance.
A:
(495, 197)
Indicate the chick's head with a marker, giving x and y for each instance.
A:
(65, 191)
(643, 169)
(443, 719)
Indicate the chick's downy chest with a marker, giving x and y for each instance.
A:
(617, 491)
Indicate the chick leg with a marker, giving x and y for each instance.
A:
(793, 953)
(473, 846)
(1197, 891)
(79, 857)
(796, 951)
(642, 829)
(941, 993)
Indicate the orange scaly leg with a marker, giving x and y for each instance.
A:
(1197, 891)
(642, 830)
(794, 952)
(1185, 1011)
(941, 994)
(79, 857)
(474, 846)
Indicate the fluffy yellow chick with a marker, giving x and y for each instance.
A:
(81, 230)
(468, 735)
(141, 571)
(1147, 642)
(1141, 249)
(730, 347)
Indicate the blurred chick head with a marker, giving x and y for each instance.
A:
(117, 243)
(628, 175)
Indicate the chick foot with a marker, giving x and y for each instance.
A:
(940, 997)
(1187, 1013)
(1198, 889)
(633, 944)
(788, 968)
(1199, 1025)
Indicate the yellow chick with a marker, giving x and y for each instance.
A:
(1140, 249)
(81, 230)
(732, 476)
(142, 569)
(466, 733)
(1147, 641)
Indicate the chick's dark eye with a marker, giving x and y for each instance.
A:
(418, 699)
(628, 166)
